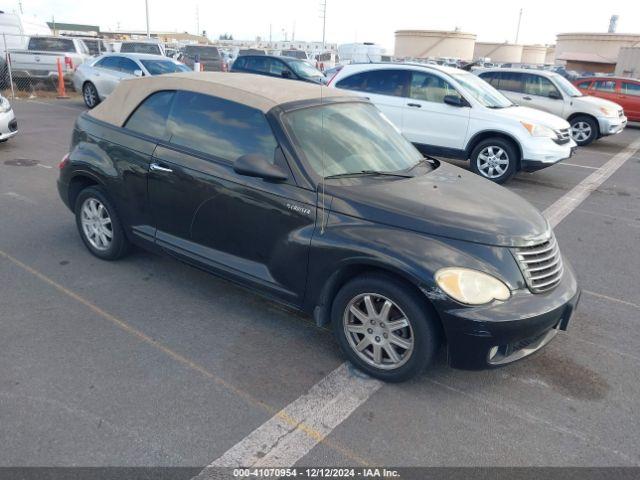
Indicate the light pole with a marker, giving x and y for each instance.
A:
(323, 6)
(518, 30)
(146, 6)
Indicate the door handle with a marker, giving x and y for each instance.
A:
(526, 98)
(157, 168)
(414, 105)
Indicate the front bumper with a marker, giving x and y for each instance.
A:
(544, 152)
(8, 125)
(503, 332)
(611, 126)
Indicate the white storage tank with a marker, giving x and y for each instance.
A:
(434, 44)
(628, 62)
(504, 52)
(534, 54)
(597, 52)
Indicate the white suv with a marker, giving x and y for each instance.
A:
(590, 117)
(452, 113)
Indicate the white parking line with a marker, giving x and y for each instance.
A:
(290, 434)
(567, 164)
(562, 207)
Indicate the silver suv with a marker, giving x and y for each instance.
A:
(590, 117)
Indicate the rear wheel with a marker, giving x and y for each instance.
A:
(384, 328)
(495, 159)
(584, 130)
(99, 225)
(90, 95)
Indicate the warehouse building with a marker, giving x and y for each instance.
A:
(434, 44)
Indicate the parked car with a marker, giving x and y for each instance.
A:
(623, 91)
(452, 113)
(209, 56)
(401, 255)
(281, 67)
(8, 122)
(40, 60)
(590, 118)
(149, 47)
(97, 79)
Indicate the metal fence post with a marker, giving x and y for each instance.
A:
(8, 62)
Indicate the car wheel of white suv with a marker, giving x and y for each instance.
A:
(584, 130)
(494, 159)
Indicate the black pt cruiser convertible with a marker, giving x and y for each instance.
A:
(311, 197)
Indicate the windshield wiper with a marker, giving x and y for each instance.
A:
(368, 172)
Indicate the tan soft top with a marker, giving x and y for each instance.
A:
(257, 91)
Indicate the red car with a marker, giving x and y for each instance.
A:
(623, 91)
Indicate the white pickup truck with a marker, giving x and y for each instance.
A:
(39, 60)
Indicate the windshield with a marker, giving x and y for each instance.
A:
(159, 67)
(566, 86)
(305, 70)
(348, 138)
(484, 93)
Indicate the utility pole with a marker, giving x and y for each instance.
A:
(323, 15)
(518, 30)
(197, 19)
(270, 34)
(20, 6)
(146, 6)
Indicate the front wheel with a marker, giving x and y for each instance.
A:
(584, 130)
(384, 328)
(495, 159)
(90, 95)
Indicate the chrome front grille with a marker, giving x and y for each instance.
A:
(563, 136)
(541, 265)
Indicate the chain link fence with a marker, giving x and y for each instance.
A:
(30, 67)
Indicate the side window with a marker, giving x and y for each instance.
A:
(240, 62)
(127, 65)
(430, 88)
(629, 88)
(110, 63)
(353, 82)
(276, 67)
(387, 82)
(257, 64)
(48, 44)
(605, 86)
(511, 82)
(150, 118)
(220, 128)
(493, 78)
(584, 85)
(538, 85)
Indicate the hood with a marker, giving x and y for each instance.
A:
(448, 202)
(530, 115)
(595, 103)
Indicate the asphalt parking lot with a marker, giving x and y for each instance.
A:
(146, 361)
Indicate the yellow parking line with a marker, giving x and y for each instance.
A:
(250, 399)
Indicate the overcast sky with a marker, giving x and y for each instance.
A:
(347, 20)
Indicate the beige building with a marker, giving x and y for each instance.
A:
(550, 56)
(504, 52)
(629, 62)
(593, 52)
(434, 44)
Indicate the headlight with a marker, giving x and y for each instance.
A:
(5, 106)
(608, 112)
(471, 286)
(538, 130)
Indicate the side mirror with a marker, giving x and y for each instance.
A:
(286, 74)
(137, 73)
(454, 101)
(255, 165)
(554, 95)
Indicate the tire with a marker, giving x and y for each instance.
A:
(420, 336)
(584, 130)
(90, 95)
(97, 220)
(489, 156)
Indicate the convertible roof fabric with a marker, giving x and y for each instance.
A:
(257, 91)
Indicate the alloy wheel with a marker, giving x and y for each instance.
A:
(581, 131)
(492, 162)
(90, 95)
(96, 224)
(378, 331)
